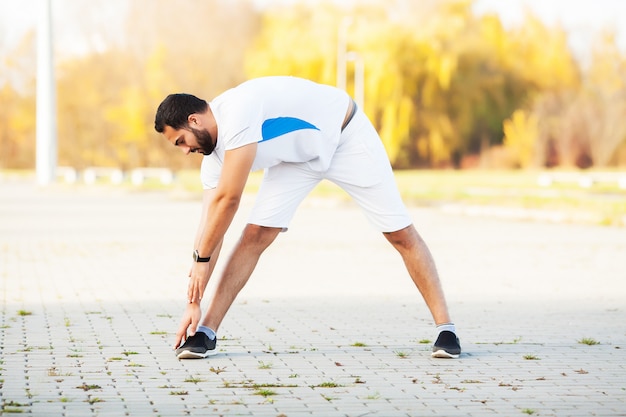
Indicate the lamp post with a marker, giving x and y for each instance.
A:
(342, 44)
(46, 99)
(359, 77)
(343, 57)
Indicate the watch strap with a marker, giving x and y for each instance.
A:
(198, 258)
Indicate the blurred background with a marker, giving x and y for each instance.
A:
(459, 84)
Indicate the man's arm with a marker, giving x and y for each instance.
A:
(207, 198)
(191, 318)
(222, 206)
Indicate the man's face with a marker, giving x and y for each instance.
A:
(204, 141)
(190, 139)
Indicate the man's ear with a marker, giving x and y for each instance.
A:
(194, 119)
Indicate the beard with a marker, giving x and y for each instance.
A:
(205, 142)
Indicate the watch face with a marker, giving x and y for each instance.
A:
(197, 258)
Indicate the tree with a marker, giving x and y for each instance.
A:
(17, 105)
(520, 135)
(583, 126)
(108, 96)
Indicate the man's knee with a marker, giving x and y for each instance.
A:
(403, 238)
(258, 236)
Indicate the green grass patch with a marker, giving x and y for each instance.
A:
(217, 370)
(265, 392)
(11, 410)
(531, 357)
(135, 365)
(588, 341)
(326, 385)
(88, 387)
(194, 380)
(374, 396)
(603, 203)
(13, 404)
(94, 400)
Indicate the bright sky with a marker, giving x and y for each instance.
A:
(583, 19)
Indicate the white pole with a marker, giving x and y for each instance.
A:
(342, 43)
(359, 77)
(46, 99)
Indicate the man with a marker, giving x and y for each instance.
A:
(300, 132)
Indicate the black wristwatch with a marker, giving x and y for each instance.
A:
(197, 258)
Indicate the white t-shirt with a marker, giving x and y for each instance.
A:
(291, 119)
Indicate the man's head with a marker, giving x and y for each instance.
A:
(181, 118)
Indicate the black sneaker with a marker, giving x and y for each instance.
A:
(447, 346)
(197, 346)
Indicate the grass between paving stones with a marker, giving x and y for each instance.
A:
(264, 390)
(329, 384)
(194, 380)
(134, 365)
(588, 341)
(56, 372)
(13, 407)
(250, 384)
(88, 387)
(217, 370)
(531, 357)
(513, 342)
(93, 400)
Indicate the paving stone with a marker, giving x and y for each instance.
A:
(93, 283)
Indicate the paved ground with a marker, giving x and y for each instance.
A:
(93, 283)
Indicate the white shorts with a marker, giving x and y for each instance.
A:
(360, 166)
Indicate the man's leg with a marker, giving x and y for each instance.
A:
(254, 240)
(361, 167)
(421, 266)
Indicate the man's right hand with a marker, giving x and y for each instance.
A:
(188, 323)
(198, 280)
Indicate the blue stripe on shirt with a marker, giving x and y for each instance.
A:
(279, 126)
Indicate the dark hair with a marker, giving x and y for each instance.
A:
(175, 109)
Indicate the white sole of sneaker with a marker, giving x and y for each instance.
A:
(443, 354)
(194, 355)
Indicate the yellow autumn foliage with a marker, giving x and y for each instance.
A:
(441, 84)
